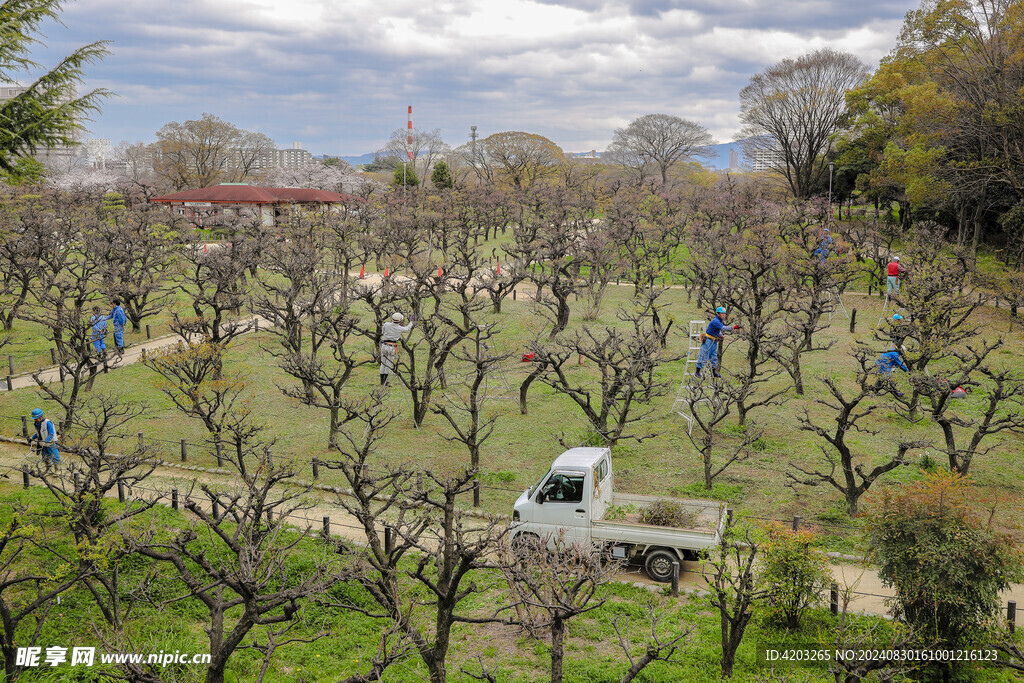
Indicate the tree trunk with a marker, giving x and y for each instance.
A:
(561, 317)
(728, 652)
(524, 388)
(852, 501)
(705, 456)
(557, 648)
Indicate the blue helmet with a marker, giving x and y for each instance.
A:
(37, 413)
(897, 317)
(720, 309)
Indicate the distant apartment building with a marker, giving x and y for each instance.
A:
(97, 152)
(51, 155)
(296, 157)
(148, 157)
(765, 157)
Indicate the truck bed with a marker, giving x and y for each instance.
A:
(704, 533)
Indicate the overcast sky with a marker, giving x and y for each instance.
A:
(337, 75)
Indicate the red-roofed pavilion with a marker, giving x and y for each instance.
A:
(206, 205)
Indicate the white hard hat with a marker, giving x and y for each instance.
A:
(896, 258)
(397, 317)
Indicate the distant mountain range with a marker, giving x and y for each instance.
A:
(356, 161)
(720, 160)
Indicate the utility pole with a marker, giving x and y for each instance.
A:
(831, 166)
(408, 153)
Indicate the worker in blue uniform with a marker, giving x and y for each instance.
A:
(45, 438)
(98, 321)
(709, 342)
(119, 318)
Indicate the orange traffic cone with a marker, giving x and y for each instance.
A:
(439, 272)
(385, 271)
(499, 267)
(206, 248)
(362, 272)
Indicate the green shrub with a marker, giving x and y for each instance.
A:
(793, 572)
(620, 511)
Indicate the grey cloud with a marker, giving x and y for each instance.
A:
(351, 81)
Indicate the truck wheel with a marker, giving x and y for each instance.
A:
(658, 564)
(525, 543)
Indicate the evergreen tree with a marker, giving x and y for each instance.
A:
(404, 175)
(441, 176)
(49, 111)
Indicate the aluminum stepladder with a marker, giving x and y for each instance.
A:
(835, 303)
(885, 307)
(681, 404)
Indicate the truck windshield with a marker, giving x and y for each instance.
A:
(533, 488)
(563, 487)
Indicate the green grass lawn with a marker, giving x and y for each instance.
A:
(161, 623)
(524, 445)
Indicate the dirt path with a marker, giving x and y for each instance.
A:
(868, 592)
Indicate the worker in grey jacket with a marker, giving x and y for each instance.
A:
(389, 338)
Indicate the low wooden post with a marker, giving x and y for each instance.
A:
(174, 499)
(142, 440)
(24, 479)
(833, 599)
(388, 539)
(10, 364)
(513, 295)
(476, 493)
(184, 450)
(256, 324)
(675, 578)
(10, 383)
(215, 508)
(796, 522)
(853, 321)
(220, 455)
(1011, 615)
(327, 527)
(316, 467)
(24, 426)
(148, 335)
(120, 492)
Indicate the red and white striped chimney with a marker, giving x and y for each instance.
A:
(408, 140)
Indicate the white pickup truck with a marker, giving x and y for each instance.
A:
(571, 500)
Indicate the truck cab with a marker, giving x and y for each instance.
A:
(575, 490)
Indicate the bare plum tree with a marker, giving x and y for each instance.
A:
(658, 142)
(792, 110)
(848, 469)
